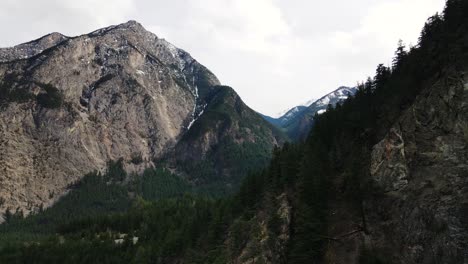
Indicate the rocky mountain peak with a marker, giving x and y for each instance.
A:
(117, 92)
(52, 38)
(130, 27)
(71, 104)
(134, 36)
(131, 24)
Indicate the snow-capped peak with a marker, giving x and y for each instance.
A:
(293, 110)
(338, 95)
(316, 106)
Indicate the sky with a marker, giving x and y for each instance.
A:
(275, 53)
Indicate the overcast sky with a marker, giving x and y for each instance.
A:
(274, 53)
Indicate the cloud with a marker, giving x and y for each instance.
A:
(275, 53)
(29, 19)
(232, 25)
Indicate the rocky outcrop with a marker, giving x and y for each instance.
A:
(266, 242)
(69, 105)
(388, 166)
(420, 169)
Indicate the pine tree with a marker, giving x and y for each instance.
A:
(400, 54)
(382, 75)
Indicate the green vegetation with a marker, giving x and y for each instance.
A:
(52, 98)
(136, 158)
(86, 223)
(244, 143)
(13, 89)
(157, 184)
(96, 195)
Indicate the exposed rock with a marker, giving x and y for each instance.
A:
(263, 245)
(421, 168)
(389, 167)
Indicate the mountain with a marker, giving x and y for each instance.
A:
(285, 116)
(282, 113)
(229, 139)
(298, 121)
(69, 105)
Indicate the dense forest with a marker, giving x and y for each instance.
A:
(160, 218)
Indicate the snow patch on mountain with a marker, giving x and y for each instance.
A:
(196, 116)
(336, 96)
(324, 101)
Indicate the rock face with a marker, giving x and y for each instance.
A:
(421, 170)
(69, 105)
(264, 243)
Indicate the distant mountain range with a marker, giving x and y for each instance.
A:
(297, 121)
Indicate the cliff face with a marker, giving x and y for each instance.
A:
(416, 208)
(421, 169)
(69, 105)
